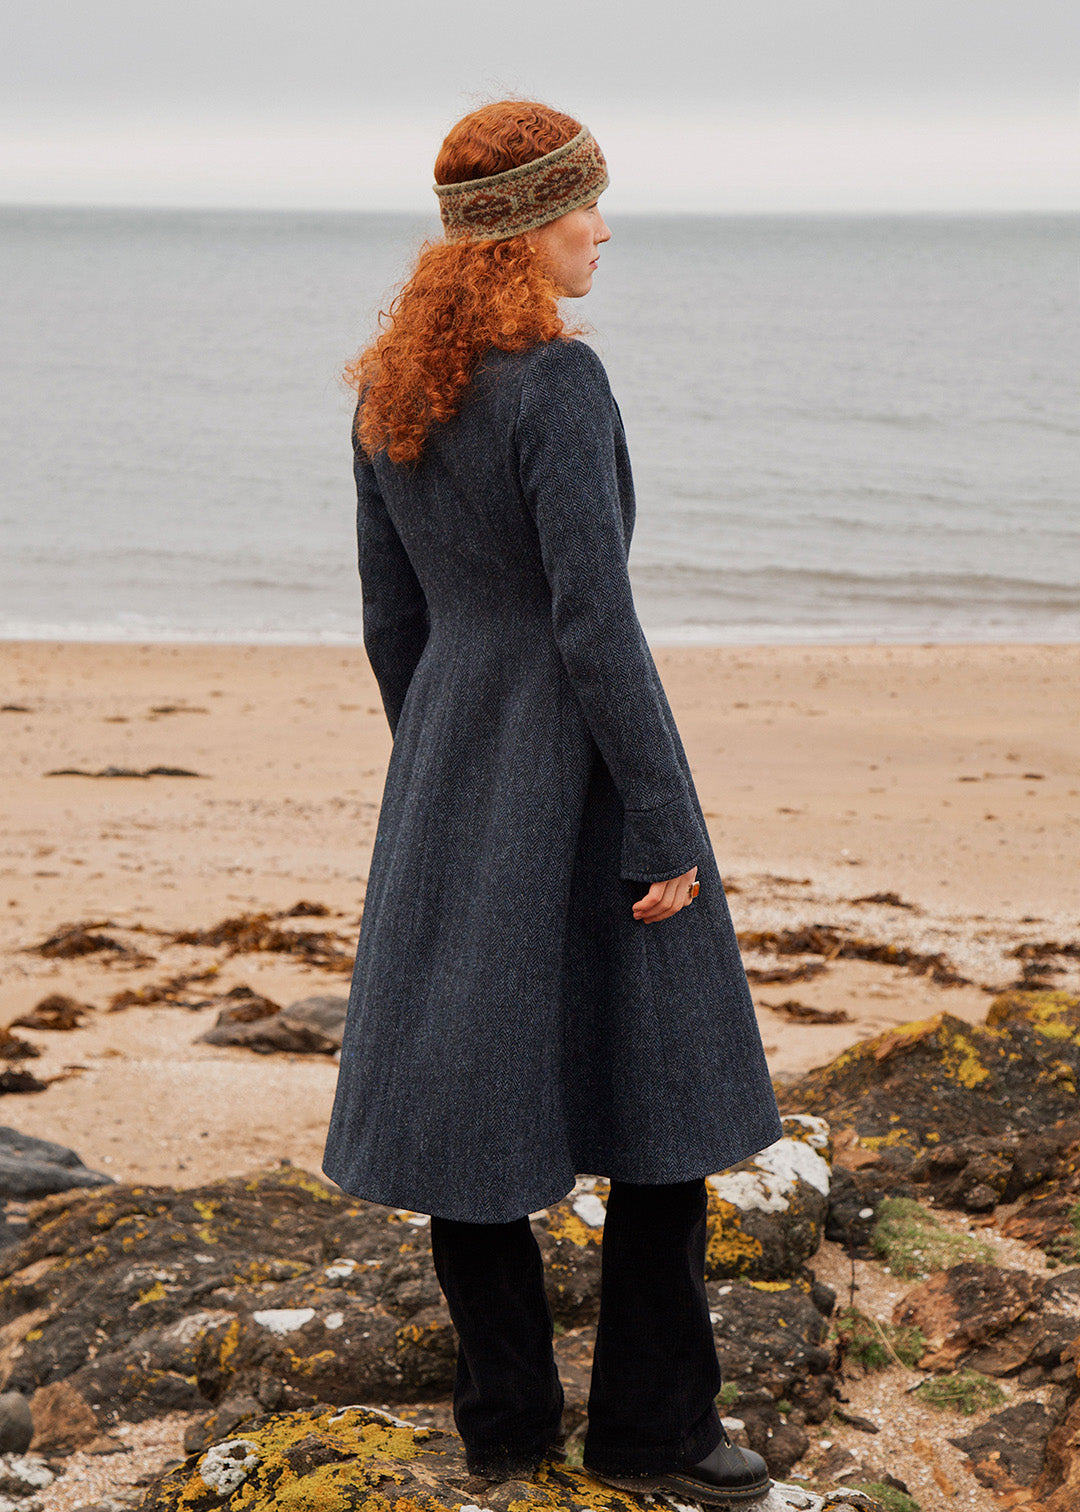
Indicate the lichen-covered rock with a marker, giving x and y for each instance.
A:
(276, 1291)
(149, 1300)
(766, 1218)
(978, 1114)
(357, 1459)
(767, 1214)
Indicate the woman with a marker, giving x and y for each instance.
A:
(535, 994)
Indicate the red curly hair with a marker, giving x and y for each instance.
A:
(463, 296)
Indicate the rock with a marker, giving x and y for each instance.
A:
(35, 1167)
(220, 1423)
(1038, 1343)
(771, 1344)
(16, 1424)
(1058, 1488)
(63, 1422)
(962, 1307)
(23, 1474)
(854, 1200)
(1008, 1451)
(151, 1300)
(312, 1026)
(979, 1114)
(766, 1218)
(767, 1214)
(770, 1340)
(276, 1291)
(362, 1458)
(569, 1236)
(54, 1012)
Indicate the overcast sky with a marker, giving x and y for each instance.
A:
(698, 104)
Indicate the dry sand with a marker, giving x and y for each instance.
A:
(946, 775)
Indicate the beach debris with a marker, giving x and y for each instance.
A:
(54, 1012)
(73, 940)
(306, 910)
(15, 708)
(803, 1013)
(1039, 950)
(781, 976)
(173, 992)
(20, 1081)
(14, 1048)
(892, 899)
(247, 933)
(312, 1026)
(120, 771)
(834, 942)
(178, 709)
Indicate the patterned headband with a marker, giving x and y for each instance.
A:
(523, 198)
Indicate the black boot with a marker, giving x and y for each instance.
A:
(725, 1478)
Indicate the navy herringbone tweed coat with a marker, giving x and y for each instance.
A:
(510, 1022)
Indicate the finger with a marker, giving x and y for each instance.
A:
(665, 906)
(653, 906)
(647, 903)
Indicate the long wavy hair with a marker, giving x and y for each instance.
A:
(463, 297)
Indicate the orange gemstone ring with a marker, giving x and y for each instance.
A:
(693, 890)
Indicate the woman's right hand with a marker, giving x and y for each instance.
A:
(665, 898)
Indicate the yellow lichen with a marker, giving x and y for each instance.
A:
(729, 1249)
(229, 1343)
(564, 1224)
(1048, 1013)
(151, 1294)
(308, 1365)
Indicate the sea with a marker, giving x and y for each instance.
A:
(844, 428)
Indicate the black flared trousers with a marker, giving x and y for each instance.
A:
(655, 1374)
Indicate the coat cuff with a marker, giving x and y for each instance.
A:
(660, 843)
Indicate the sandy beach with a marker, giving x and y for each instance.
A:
(945, 777)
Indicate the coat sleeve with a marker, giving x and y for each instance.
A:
(395, 610)
(570, 480)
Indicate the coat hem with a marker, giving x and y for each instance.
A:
(605, 1170)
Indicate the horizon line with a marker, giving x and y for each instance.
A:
(792, 212)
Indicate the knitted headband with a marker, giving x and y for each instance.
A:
(523, 198)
